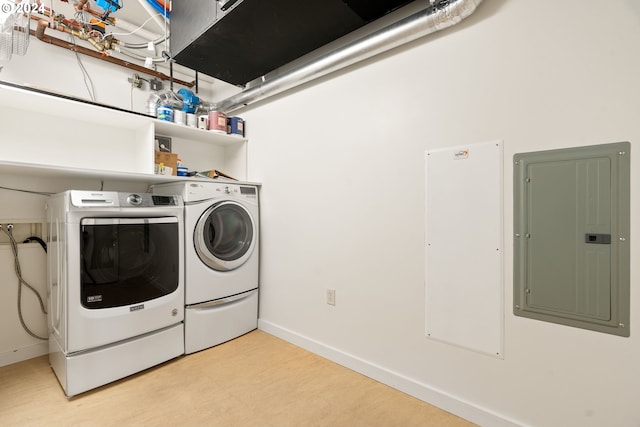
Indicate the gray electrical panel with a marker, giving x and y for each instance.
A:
(571, 236)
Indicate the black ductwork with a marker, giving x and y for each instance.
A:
(239, 41)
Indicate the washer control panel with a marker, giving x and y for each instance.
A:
(146, 200)
(134, 199)
(114, 199)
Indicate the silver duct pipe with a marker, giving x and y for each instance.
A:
(435, 17)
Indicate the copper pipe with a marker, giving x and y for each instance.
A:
(81, 5)
(42, 26)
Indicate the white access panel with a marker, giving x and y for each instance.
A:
(464, 247)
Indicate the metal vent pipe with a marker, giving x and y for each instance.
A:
(435, 17)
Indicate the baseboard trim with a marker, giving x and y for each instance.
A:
(24, 353)
(424, 392)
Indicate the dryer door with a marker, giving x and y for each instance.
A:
(225, 236)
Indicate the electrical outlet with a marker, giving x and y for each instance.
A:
(331, 296)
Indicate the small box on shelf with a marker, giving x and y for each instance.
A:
(166, 160)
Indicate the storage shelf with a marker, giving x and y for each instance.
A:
(44, 171)
(52, 171)
(56, 135)
(37, 102)
(195, 134)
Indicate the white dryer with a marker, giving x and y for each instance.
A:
(115, 285)
(221, 259)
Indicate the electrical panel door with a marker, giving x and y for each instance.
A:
(572, 237)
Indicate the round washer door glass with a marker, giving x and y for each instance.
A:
(224, 236)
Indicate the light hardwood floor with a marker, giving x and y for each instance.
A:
(254, 380)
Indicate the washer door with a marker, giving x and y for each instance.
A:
(225, 236)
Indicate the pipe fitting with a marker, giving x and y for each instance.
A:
(40, 29)
(96, 44)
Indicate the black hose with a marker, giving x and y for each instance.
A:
(36, 239)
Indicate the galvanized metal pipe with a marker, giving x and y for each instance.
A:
(435, 17)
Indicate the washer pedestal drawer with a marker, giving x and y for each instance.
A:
(214, 322)
(83, 371)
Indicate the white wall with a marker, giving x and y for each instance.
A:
(341, 162)
(56, 69)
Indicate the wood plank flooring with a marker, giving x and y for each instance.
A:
(254, 380)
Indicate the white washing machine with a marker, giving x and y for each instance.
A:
(221, 259)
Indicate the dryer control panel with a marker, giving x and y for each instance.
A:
(198, 191)
(246, 192)
(203, 191)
